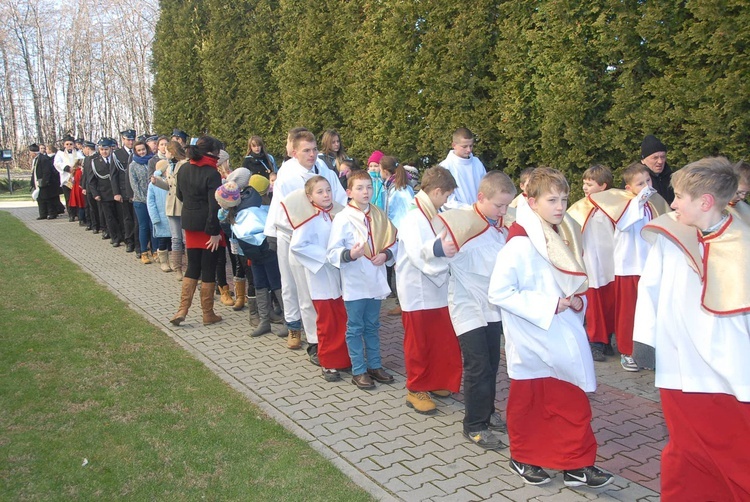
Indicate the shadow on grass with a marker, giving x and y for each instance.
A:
(83, 376)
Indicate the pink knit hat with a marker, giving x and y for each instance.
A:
(375, 157)
(228, 195)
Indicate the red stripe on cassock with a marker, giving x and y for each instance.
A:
(626, 293)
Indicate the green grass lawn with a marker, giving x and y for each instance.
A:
(16, 195)
(82, 376)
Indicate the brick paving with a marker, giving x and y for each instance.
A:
(373, 437)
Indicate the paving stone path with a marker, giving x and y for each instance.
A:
(373, 437)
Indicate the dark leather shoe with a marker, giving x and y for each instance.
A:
(129, 248)
(41, 218)
(105, 236)
(116, 244)
(52, 217)
(380, 375)
(363, 381)
(95, 231)
(312, 352)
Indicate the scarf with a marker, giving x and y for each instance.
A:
(207, 160)
(143, 160)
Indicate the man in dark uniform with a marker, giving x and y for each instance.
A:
(180, 136)
(46, 179)
(123, 192)
(93, 215)
(100, 186)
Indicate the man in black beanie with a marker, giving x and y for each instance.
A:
(654, 157)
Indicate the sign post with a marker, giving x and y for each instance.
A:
(7, 156)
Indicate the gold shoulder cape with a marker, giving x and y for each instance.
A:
(382, 231)
(723, 269)
(614, 202)
(581, 211)
(299, 210)
(463, 224)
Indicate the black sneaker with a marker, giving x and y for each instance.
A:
(331, 375)
(312, 352)
(588, 476)
(485, 439)
(597, 352)
(531, 474)
(497, 423)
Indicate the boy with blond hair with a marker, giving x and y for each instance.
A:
(362, 242)
(629, 210)
(598, 249)
(694, 309)
(538, 282)
(432, 355)
(479, 233)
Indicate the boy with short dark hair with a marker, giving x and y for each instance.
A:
(361, 244)
(629, 210)
(538, 282)
(432, 355)
(466, 169)
(479, 233)
(694, 309)
(738, 205)
(522, 181)
(598, 249)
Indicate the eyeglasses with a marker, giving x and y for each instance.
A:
(742, 193)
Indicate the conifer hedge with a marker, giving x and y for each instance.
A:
(555, 82)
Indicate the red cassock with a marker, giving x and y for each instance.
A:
(600, 313)
(626, 293)
(77, 199)
(549, 424)
(708, 453)
(331, 323)
(431, 351)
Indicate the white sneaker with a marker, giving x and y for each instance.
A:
(628, 363)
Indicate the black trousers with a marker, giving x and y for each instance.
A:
(202, 264)
(127, 222)
(95, 218)
(47, 206)
(481, 353)
(111, 210)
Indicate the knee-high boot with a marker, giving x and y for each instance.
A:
(186, 299)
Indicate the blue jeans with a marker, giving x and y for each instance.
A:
(175, 228)
(144, 227)
(362, 338)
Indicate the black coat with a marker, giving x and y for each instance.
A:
(99, 182)
(47, 177)
(661, 181)
(118, 173)
(196, 186)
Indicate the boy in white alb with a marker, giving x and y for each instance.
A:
(432, 356)
(538, 282)
(523, 180)
(737, 206)
(312, 212)
(298, 306)
(694, 309)
(479, 233)
(362, 242)
(466, 169)
(629, 210)
(598, 250)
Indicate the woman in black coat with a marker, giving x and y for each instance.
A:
(196, 187)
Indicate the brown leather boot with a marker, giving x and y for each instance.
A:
(186, 299)
(294, 339)
(207, 303)
(226, 296)
(239, 293)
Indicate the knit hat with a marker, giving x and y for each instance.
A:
(375, 157)
(228, 195)
(651, 145)
(241, 176)
(223, 157)
(259, 183)
(34, 148)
